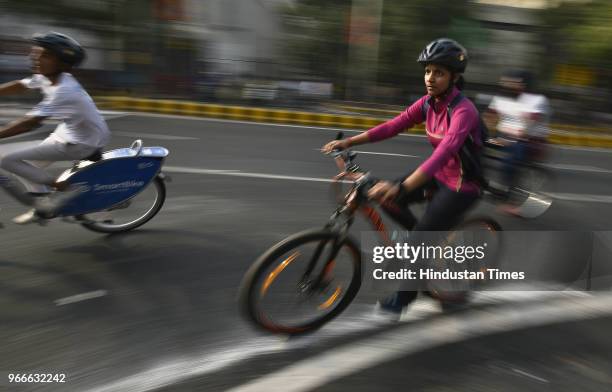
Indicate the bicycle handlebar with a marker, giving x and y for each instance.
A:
(345, 160)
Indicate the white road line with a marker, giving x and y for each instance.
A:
(144, 114)
(581, 168)
(524, 373)
(309, 374)
(581, 197)
(589, 149)
(111, 114)
(237, 173)
(380, 153)
(80, 297)
(176, 370)
(152, 136)
(319, 128)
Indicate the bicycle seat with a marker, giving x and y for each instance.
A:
(95, 157)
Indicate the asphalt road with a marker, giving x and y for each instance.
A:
(154, 307)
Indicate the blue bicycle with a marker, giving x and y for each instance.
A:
(118, 190)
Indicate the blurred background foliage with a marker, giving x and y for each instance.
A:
(301, 52)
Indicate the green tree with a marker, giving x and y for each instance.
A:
(581, 33)
(317, 34)
(315, 42)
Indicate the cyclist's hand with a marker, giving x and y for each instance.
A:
(384, 191)
(335, 145)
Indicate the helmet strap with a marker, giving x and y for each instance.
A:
(449, 90)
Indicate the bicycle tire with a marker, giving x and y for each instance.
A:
(258, 277)
(452, 300)
(531, 180)
(110, 227)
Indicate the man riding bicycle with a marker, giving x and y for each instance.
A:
(442, 176)
(81, 134)
(521, 120)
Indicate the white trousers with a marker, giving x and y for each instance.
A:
(29, 163)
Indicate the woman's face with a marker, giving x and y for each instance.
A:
(437, 79)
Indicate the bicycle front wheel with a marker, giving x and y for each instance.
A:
(131, 213)
(301, 283)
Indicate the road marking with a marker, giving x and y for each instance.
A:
(581, 197)
(152, 135)
(145, 114)
(319, 128)
(80, 297)
(582, 168)
(346, 360)
(589, 149)
(524, 373)
(238, 173)
(174, 371)
(111, 114)
(177, 370)
(391, 154)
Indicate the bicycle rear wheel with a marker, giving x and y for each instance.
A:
(530, 180)
(480, 232)
(131, 213)
(301, 283)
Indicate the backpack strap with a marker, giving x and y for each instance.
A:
(425, 107)
(452, 104)
(470, 159)
(449, 108)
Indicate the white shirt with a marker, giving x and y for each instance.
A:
(70, 103)
(515, 115)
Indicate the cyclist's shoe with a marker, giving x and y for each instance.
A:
(30, 216)
(395, 303)
(48, 206)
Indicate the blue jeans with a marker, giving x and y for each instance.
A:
(518, 153)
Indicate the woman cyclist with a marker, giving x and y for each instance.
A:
(442, 176)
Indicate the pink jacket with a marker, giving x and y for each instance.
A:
(446, 138)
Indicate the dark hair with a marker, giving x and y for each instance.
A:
(526, 77)
(460, 83)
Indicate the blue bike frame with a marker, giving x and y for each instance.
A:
(120, 175)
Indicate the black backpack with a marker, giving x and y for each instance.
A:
(469, 154)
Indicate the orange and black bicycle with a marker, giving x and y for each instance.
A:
(307, 279)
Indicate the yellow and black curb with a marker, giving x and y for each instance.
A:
(228, 112)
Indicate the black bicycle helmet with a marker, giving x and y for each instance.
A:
(446, 52)
(524, 76)
(65, 48)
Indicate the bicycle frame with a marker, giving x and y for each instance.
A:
(119, 176)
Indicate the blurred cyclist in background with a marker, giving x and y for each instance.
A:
(81, 134)
(521, 119)
(443, 178)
